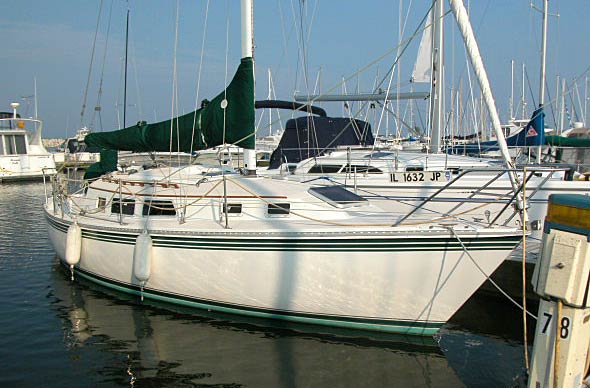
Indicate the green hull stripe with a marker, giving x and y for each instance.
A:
(392, 326)
(306, 244)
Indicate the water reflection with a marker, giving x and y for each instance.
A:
(149, 345)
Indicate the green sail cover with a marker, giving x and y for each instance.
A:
(107, 163)
(213, 125)
(567, 141)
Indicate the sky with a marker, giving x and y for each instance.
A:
(307, 46)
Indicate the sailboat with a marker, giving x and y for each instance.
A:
(257, 246)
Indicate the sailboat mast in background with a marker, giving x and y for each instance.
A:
(248, 52)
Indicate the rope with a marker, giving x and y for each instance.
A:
(524, 327)
(450, 228)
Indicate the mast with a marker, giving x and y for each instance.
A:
(35, 89)
(247, 9)
(125, 82)
(399, 70)
(562, 110)
(437, 70)
(586, 101)
(522, 98)
(269, 97)
(543, 54)
(511, 103)
(543, 60)
(460, 13)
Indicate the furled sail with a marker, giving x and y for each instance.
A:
(228, 118)
(423, 65)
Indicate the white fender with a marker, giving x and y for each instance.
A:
(73, 246)
(142, 257)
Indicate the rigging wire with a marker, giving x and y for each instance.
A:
(135, 77)
(174, 104)
(199, 73)
(90, 67)
(97, 109)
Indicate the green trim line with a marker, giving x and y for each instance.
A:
(423, 328)
(343, 244)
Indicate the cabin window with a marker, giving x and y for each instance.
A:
(410, 168)
(101, 205)
(1, 145)
(158, 208)
(6, 124)
(324, 169)
(363, 169)
(279, 208)
(20, 143)
(9, 141)
(15, 144)
(232, 208)
(127, 206)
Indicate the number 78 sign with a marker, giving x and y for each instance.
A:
(546, 324)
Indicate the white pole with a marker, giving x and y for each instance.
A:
(247, 10)
(247, 28)
(437, 69)
(511, 89)
(558, 104)
(562, 114)
(269, 96)
(460, 13)
(523, 101)
(399, 70)
(585, 102)
(543, 60)
(35, 92)
(543, 54)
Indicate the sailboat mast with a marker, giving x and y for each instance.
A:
(543, 54)
(437, 71)
(464, 25)
(247, 10)
(511, 103)
(522, 95)
(125, 82)
(543, 60)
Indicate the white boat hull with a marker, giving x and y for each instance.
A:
(375, 281)
(25, 167)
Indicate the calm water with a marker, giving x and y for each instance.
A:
(57, 333)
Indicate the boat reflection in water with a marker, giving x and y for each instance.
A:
(157, 346)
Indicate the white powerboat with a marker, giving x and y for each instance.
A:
(22, 154)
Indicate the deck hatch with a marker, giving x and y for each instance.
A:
(337, 196)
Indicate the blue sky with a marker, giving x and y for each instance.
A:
(52, 42)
